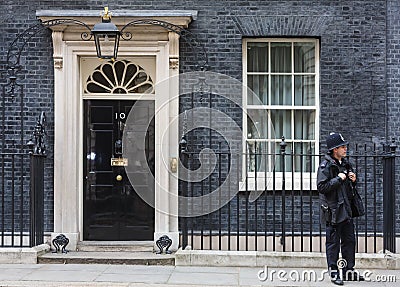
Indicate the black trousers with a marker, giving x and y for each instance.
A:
(340, 237)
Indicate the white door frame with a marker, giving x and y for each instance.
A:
(68, 122)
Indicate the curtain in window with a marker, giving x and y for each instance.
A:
(304, 57)
(257, 55)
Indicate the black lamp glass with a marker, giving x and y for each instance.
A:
(106, 37)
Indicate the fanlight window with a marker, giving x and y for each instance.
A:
(119, 77)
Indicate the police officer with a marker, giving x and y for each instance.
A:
(335, 182)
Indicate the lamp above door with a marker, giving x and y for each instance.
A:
(106, 37)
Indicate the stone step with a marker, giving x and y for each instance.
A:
(107, 257)
(115, 246)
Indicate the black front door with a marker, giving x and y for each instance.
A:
(112, 209)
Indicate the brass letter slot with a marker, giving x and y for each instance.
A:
(119, 161)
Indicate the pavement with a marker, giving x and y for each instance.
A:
(45, 275)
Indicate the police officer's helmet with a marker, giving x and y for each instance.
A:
(335, 140)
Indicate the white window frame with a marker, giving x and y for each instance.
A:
(293, 179)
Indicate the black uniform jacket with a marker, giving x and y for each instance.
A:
(335, 194)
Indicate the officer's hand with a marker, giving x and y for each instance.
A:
(352, 176)
(342, 176)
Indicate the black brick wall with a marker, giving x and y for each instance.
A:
(359, 57)
(393, 82)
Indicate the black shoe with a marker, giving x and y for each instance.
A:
(337, 281)
(335, 278)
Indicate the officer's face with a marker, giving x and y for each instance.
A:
(340, 152)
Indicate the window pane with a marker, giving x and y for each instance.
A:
(304, 90)
(281, 123)
(257, 124)
(259, 158)
(304, 122)
(259, 86)
(281, 90)
(281, 58)
(304, 161)
(257, 57)
(304, 57)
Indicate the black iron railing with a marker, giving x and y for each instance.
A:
(14, 200)
(274, 203)
(22, 193)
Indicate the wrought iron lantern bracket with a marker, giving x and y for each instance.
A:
(15, 49)
(188, 37)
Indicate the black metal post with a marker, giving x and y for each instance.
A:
(37, 156)
(185, 192)
(389, 198)
(37, 200)
(283, 154)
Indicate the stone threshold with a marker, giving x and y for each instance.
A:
(107, 257)
(115, 246)
(109, 252)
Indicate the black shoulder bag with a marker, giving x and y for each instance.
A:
(357, 205)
